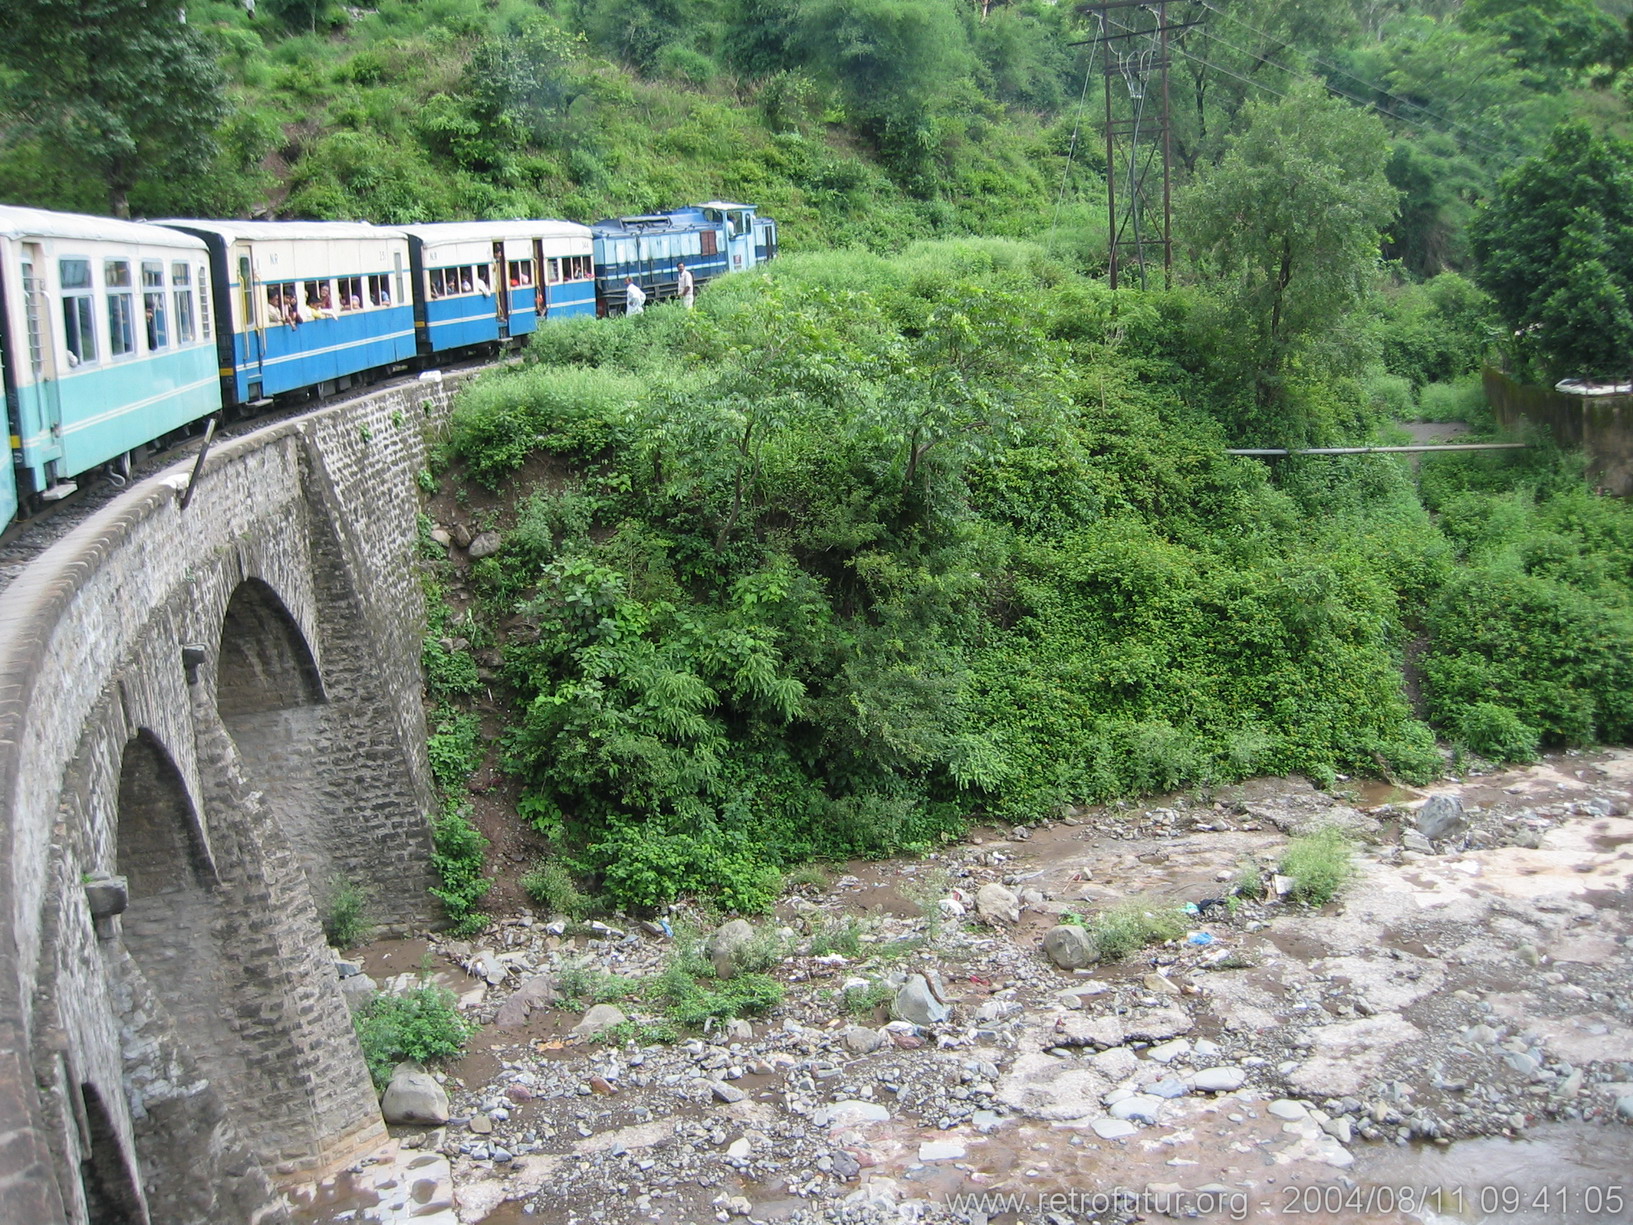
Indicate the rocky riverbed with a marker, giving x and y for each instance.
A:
(1451, 1040)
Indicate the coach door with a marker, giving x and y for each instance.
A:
(42, 352)
(740, 240)
(501, 289)
(541, 282)
(252, 324)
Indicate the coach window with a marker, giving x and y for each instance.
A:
(121, 307)
(78, 313)
(351, 293)
(203, 304)
(181, 281)
(521, 273)
(379, 291)
(154, 311)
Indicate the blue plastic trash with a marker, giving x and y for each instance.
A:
(1200, 938)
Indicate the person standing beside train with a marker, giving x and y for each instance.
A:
(634, 297)
(686, 287)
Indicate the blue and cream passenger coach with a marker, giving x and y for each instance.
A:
(306, 304)
(482, 282)
(105, 340)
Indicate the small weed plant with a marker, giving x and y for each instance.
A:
(843, 936)
(864, 1001)
(552, 886)
(1248, 882)
(1319, 864)
(347, 919)
(1130, 926)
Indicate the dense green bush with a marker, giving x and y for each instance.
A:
(456, 855)
(346, 920)
(423, 1025)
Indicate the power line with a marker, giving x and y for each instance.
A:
(1327, 85)
(1071, 150)
(1479, 138)
(1367, 103)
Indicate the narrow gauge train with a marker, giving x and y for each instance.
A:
(119, 335)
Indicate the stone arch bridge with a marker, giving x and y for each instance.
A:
(221, 706)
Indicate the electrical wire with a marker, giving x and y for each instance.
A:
(1476, 137)
(1071, 149)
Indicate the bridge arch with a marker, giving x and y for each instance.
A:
(265, 663)
(106, 1180)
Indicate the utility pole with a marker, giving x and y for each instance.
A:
(1134, 35)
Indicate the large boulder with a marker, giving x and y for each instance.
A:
(414, 1097)
(725, 946)
(1440, 818)
(915, 1002)
(996, 902)
(1070, 946)
(486, 544)
(537, 992)
(597, 1021)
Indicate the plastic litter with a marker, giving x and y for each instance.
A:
(1190, 908)
(1203, 939)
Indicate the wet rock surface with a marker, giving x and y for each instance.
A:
(1470, 996)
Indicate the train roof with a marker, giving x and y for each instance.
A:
(641, 223)
(475, 231)
(285, 230)
(16, 222)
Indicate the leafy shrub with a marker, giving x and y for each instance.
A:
(693, 1003)
(456, 854)
(552, 886)
(347, 918)
(501, 421)
(454, 748)
(1463, 399)
(1558, 658)
(448, 673)
(422, 1025)
(1319, 865)
(1496, 732)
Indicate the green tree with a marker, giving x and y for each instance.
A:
(1549, 37)
(896, 61)
(119, 85)
(1287, 225)
(1556, 253)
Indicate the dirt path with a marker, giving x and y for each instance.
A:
(1447, 1042)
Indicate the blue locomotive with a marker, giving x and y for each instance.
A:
(710, 239)
(117, 335)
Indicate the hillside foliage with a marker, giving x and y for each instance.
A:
(865, 546)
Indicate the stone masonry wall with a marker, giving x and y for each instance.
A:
(115, 756)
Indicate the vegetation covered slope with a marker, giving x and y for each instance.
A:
(831, 575)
